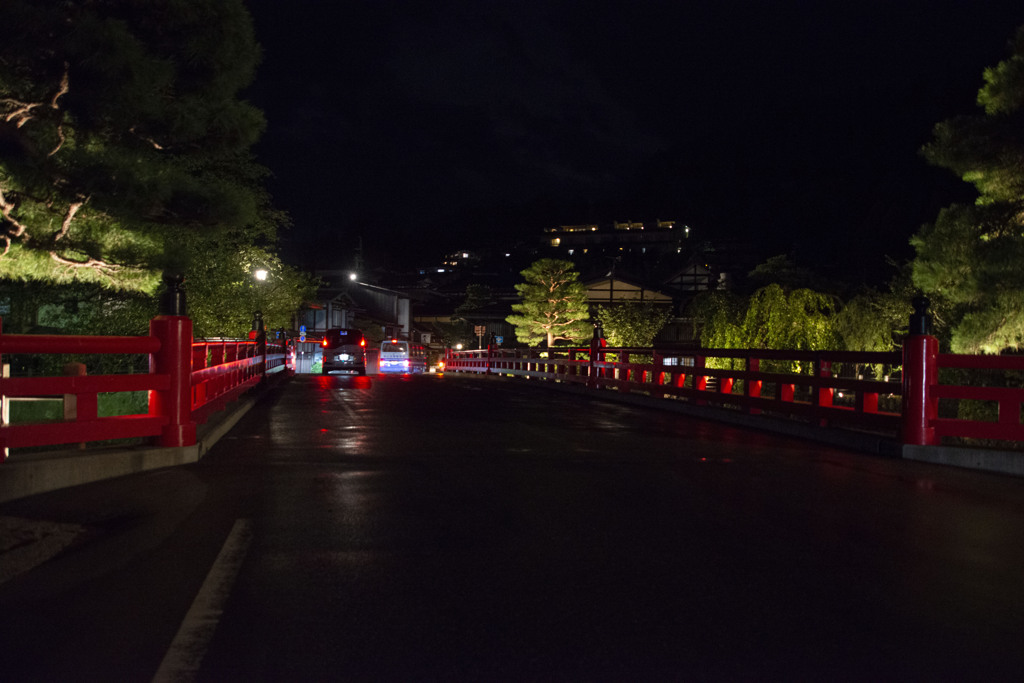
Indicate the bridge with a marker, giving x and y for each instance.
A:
(522, 516)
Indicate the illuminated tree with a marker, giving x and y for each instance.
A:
(223, 293)
(554, 305)
(633, 323)
(120, 130)
(802, 320)
(771, 318)
(970, 258)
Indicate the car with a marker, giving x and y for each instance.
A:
(344, 349)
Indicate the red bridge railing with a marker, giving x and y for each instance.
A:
(187, 382)
(908, 396)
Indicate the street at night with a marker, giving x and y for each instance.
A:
(451, 528)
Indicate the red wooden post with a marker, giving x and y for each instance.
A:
(920, 374)
(700, 380)
(825, 394)
(867, 402)
(753, 386)
(658, 359)
(173, 359)
(625, 368)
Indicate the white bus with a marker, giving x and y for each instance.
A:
(401, 356)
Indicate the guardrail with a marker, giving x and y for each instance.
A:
(807, 384)
(908, 396)
(187, 382)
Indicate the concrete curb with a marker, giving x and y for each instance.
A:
(28, 475)
(1000, 462)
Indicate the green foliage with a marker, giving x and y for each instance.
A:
(80, 308)
(121, 129)
(477, 296)
(969, 259)
(801, 320)
(633, 323)
(770, 318)
(554, 305)
(871, 321)
(717, 313)
(223, 293)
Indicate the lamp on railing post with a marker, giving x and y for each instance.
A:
(259, 334)
(920, 374)
(597, 342)
(491, 344)
(174, 359)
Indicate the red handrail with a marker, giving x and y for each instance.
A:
(188, 381)
(685, 375)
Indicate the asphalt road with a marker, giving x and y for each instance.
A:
(443, 528)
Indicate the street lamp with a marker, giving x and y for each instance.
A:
(257, 321)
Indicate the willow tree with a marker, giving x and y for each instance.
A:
(771, 318)
(970, 259)
(121, 129)
(553, 305)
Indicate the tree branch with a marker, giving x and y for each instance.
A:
(65, 86)
(68, 217)
(101, 267)
(5, 210)
(21, 112)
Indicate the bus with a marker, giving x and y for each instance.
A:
(401, 356)
(344, 349)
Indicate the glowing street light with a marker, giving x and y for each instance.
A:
(260, 275)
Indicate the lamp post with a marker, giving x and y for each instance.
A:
(257, 320)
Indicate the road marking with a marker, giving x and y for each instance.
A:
(181, 663)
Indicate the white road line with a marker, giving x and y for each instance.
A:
(181, 663)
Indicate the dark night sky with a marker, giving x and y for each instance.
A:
(422, 127)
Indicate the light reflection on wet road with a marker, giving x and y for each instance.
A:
(443, 528)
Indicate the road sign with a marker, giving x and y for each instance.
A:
(302, 330)
(499, 340)
(480, 330)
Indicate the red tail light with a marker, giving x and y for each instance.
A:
(362, 342)
(323, 343)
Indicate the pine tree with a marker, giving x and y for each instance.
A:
(120, 127)
(554, 305)
(969, 260)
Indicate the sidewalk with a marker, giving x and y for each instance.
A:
(28, 475)
(27, 543)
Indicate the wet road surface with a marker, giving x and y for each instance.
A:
(443, 528)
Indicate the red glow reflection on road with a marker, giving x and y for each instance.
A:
(329, 382)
